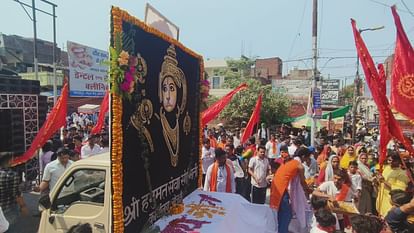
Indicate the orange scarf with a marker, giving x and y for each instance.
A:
(273, 147)
(213, 142)
(341, 196)
(221, 145)
(213, 180)
(281, 180)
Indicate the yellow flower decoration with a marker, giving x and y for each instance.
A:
(123, 58)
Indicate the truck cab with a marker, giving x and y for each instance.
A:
(81, 195)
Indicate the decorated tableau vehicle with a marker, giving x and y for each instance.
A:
(149, 181)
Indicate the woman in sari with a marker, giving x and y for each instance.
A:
(365, 202)
(348, 157)
(327, 174)
(323, 156)
(393, 177)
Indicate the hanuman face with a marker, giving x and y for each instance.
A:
(169, 94)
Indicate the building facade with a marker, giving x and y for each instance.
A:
(267, 68)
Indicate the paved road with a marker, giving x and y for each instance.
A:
(30, 223)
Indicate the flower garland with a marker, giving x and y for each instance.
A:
(125, 70)
(116, 126)
(203, 84)
(204, 90)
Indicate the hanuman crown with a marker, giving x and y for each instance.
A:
(169, 68)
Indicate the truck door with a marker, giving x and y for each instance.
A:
(80, 200)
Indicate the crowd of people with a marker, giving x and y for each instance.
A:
(74, 143)
(330, 187)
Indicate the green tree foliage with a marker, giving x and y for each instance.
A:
(275, 106)
(347, 94)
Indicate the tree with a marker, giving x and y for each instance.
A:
(275, 106)
(347, 93)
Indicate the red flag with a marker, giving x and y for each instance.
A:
(384, 117)
(55, 120)
(254, 119)
(389, 126)
(210, 113)
(102, 112)
(402, 92)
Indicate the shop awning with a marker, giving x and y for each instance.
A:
(340, 112)
(88, 108)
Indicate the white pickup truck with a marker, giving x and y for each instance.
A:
(81, 195)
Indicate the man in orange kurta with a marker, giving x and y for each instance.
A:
(279, 196)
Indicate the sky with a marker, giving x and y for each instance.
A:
(229, 28)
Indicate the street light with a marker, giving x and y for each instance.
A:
(357, 82)
(35, 61)
(54, 50)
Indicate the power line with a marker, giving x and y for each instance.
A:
(298, 30)
(385, 5)
(353, 50)
(406, 7)
(380, 3)
(320, 25)
(332, 58)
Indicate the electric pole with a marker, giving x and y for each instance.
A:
(315, 64)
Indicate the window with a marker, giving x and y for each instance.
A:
(216, 82)
(82, 186)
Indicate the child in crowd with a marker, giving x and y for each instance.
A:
(356, 179)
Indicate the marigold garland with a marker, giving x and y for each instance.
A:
(200, 142)
(116, 147)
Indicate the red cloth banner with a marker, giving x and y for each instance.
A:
(389, 126)
(55, 120)
(210, 113)
(102, 112)
(402, 82)
(254, 119)
(384, 116)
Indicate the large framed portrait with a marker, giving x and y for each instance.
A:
(155, 83)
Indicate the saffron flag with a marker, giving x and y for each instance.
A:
(210, 113)
(402, 82)
(389, 126)
(384, 117)
(254, 119)
(55, 120)
(102, 112)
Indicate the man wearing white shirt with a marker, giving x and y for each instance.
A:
(259, 169)
(219, 176)
(207, 157)
(91, 148)
(271, 147)
(55, 169)
(294, 146)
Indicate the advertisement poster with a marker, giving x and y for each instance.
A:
(159, 127)
(330, 92)
(88, 73)
(317, 108)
